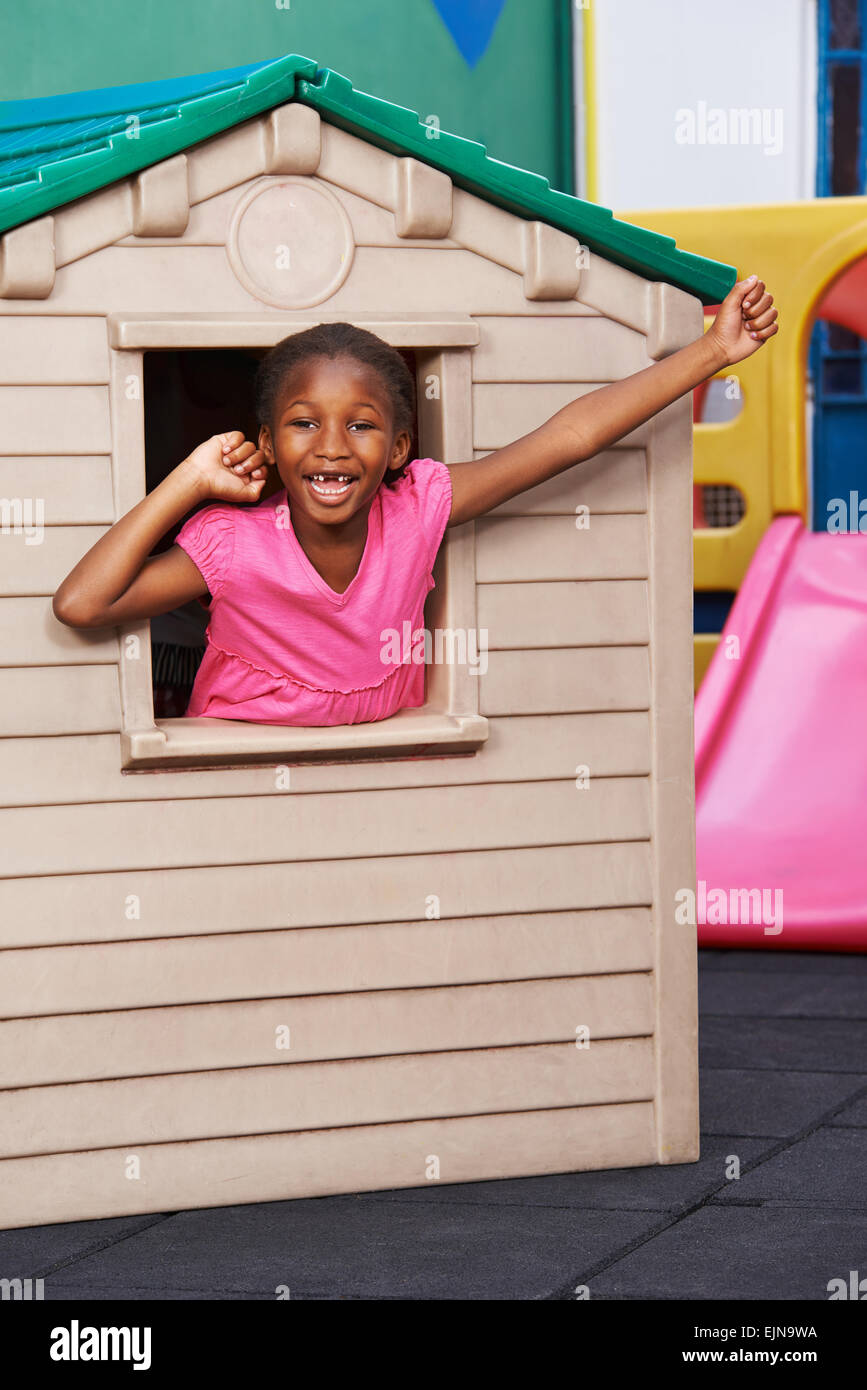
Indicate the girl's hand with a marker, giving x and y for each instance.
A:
(228, 467)
(745, 320)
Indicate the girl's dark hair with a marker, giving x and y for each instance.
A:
(332, 340)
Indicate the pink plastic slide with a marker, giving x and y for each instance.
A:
(781, 751)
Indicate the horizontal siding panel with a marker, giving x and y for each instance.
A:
(319, 1163)
(147, 280)
(86, 767)
(60, 350)
(195, 278)
(322, 1095)
(30, 635)
(147, 1042)
(115, 975)
(129, 835)
(613, 481)
(41, 569)
(556, 680)
(132, 905)
(44, 700)
(232, 898)
(505, 412)
(572, 613)
(515, 549)
(526, 348)
(55, 419)
(75, 491)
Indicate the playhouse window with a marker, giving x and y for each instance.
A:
(174, 381)
(190, 395)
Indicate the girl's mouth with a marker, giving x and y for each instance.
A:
(330, 488)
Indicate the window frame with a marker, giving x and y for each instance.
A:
(828, 58)
(449, 721)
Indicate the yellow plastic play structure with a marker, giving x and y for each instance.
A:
(799, 250)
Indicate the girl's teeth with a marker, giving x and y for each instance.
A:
(326, 487)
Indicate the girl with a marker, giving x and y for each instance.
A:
(303, 584)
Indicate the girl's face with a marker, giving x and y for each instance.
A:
(333, 438)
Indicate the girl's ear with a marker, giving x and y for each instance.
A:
(265, 443)
(400, 450)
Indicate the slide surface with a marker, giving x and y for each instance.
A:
(781, 751)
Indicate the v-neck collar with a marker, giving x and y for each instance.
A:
(310, 569)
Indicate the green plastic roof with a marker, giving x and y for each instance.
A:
(56, 149)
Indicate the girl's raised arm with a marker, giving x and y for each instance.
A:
(116, 582)
(596, 421)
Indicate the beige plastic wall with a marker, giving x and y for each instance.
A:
(161, 931)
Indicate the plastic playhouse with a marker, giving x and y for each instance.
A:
(194, 1017)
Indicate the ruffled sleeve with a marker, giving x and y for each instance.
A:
(209, 540)
(426, 485)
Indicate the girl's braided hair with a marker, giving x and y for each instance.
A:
(332, 340)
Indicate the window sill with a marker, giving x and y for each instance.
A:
(174, 743)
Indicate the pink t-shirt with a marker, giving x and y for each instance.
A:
(283, 647)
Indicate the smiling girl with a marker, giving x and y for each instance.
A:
(302, 584)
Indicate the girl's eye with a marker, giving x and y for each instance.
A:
(368, 424)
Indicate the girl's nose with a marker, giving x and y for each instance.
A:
(333, 442)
